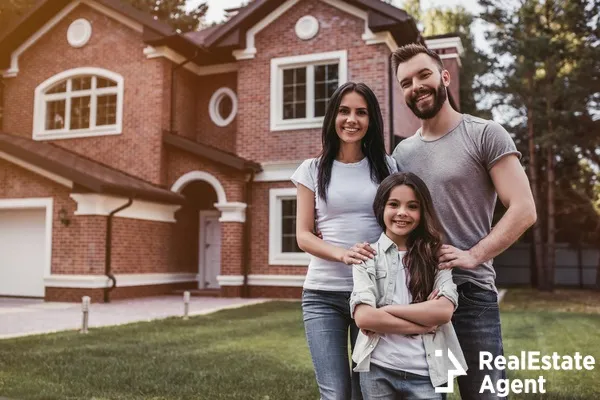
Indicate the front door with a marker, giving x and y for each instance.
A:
(210, 251)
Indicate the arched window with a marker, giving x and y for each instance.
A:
(78, 103)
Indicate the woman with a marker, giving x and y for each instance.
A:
(336, 190)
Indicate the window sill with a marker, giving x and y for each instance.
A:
(57, 135)
(301, 259)
(293, 125)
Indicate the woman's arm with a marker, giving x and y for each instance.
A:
(380, 321)
(308, 241)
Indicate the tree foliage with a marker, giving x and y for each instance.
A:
(174, 13)
(546, 68)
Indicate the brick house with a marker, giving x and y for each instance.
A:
(137, 161)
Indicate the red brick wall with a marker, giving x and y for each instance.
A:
(140, 246)
(115, 47)
(232, 242)
(207, 132)
(338, 31)
(185, 103)
(405, 122)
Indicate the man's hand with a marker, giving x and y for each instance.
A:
(364, 249)
(451, 257)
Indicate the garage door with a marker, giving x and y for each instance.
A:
(22, 252)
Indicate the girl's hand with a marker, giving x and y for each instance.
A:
(367, 332)
(364, 249)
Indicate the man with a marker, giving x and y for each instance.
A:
(466, 162)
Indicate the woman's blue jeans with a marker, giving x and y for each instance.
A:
(327, 322)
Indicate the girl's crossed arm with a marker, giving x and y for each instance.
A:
(363, 306)
(437, 310)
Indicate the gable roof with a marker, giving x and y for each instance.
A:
(218, 41)
(211, 153)
(382, 16)
(86, 174)
(45, 10)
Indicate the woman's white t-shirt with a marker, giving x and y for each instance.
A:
(345, 219)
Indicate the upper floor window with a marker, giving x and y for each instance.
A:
(301, 87)
(78, 103)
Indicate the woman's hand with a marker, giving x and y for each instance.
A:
(351, 257)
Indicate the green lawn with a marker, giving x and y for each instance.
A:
(256, 352)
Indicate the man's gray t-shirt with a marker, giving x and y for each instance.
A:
(456, 169)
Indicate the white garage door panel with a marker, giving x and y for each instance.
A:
(22, 252)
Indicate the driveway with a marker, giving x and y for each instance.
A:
(22, 317)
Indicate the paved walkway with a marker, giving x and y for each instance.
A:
(22, 317)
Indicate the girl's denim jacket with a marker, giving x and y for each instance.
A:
(374, 285)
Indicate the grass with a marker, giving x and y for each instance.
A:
(259, 352)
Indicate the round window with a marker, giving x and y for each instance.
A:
(79, 32)
(223, 106)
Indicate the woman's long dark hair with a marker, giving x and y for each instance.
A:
(372, 143)
(423, 242)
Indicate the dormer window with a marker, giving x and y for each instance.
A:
(80, 102)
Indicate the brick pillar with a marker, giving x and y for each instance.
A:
(232, 245)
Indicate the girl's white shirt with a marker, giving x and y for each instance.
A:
(345, 219)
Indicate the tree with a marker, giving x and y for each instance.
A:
(547, 74)
(174, 13)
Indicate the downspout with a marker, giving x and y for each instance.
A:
(391, 105)
(173, 70)
(247, 232)
(108, 250)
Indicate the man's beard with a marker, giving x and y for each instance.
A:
(439, 97)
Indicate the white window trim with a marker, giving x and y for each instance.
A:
(277, 67)
(276, 256)
(213, 106)
(39, 107)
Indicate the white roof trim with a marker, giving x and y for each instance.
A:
(100, 204)
(368, 36)
(446, 43)
(14, 59)
(277, 171)
(40, 171)
(453, 55)
(163, 51)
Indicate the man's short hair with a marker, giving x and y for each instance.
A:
(408, 51)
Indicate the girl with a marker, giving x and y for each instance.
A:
(337, 190)
(402, 302)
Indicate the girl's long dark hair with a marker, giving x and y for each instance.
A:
(423, 242)
(372, 143)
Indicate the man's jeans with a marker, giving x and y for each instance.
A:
(388, 384)
(477, 325)
(327, 321)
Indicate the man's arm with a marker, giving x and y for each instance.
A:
(514, 192)
(377, 320)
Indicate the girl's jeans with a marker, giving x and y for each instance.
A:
(388, 384)
(327, 322)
